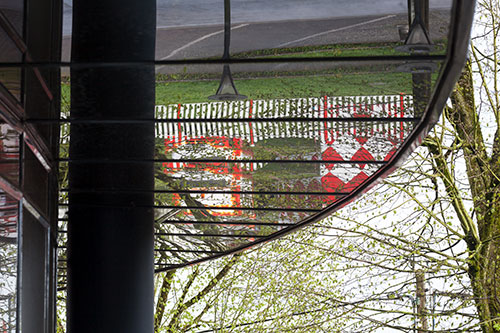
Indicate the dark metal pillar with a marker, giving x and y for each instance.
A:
(227, 28)
(110, 235)
(227, 90)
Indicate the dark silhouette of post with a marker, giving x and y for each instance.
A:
(110, 234)
(227, 90)
(227, 28)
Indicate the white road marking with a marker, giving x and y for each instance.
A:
(174, 52)
(335, 30)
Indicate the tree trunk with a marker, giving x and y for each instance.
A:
(483, 173)
(421, 308)
(484, 272)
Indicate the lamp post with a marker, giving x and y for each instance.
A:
(418, 42)
(418, 39)
(227, 90)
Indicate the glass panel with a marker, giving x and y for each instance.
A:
(192, 241)
(13, 10)
(231, 172)
(331, 29)
(189, 29)
(280, 141)
(297, 137)
(67, 17)
(164, 259)
(215, 184)
(223, 200)
(183, 249)
(349, 100)
(210, 238)
(9, 154)
(10, 52)
(66, 38)
(8, 259)
(194, 29)
(11, 77)
(35, 178)
(33, 284)
(297, 80)
(228, 215)
(292, 89)
(62, 239)
(219, 230)
(189, 13)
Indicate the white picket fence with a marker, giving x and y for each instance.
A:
(240, 114)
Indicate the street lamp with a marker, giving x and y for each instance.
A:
(227, 90)
(418, 40)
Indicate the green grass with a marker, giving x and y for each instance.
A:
(356, 79)
(337, 81)
(337, 50)
(364, 84)
(289, 87)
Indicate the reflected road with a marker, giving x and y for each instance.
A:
(193, 28)
(178, 13)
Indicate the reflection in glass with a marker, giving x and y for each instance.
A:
(418, 39)
(227, 90)
(188, 30)
(9, 154)
(289, 80)
(8, 262)
(229, 173)
(11, 15)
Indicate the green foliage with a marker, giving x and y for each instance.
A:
(284, 285)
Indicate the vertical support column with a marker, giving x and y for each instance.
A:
(110, 235)
(37, 284)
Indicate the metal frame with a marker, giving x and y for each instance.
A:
(13, 111)
(14, 114)
(228, 120)
(417, 58)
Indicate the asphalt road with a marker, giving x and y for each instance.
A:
(183, 42)
(182, 13)
(193, 28)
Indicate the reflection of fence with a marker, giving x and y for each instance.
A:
(344, 129)
(284, 117)
(220, 174)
